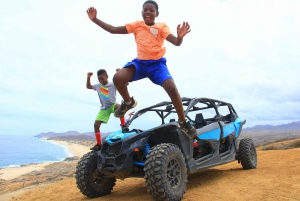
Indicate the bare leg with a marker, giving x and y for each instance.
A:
(121, 78)
(122, 120)
(171, 89)
(97, 125)
(116, 107)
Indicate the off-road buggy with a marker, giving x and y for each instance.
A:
(165, 155)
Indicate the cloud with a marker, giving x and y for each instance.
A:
(242, 52)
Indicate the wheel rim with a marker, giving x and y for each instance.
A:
(174, 173)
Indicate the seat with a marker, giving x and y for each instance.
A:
(172, 120)
(199, 120)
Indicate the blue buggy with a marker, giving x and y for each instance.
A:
(165, 155)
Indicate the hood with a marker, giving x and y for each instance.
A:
(118, 136)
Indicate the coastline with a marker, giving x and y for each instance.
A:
(76, 149)
(15, 172)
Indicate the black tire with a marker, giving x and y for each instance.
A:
(247, 154)
(166, 172)
(89, 180)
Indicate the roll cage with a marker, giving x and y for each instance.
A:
(164, 109)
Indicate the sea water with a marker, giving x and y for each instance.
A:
(23, 150)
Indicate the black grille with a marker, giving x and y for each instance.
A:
(99, 161)
(110, 161)
(120, 159)
(112, 150)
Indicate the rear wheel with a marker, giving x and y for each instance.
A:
(89, 180)
(166, 172)
(247, 154)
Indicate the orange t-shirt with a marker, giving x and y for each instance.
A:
(149, 39)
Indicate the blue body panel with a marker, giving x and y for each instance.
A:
(237, 123)
(117, 136)
(228, 129)
(211, 135)
(233, 127)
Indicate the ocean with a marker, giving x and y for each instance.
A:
(23, 150)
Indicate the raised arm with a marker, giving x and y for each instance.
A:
(182, 30)
(88, 81)
(92, 13)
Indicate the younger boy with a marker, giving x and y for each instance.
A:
(150, 61)
(107, 95)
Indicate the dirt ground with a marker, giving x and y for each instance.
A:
(277, 177)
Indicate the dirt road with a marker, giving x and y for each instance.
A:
(277, 177)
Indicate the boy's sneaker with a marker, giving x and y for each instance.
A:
(187, 127)
(125, 129)
(124, 108)
(97, 147)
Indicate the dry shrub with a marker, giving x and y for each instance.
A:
(270, 147)
(295, 144)
(291, 145)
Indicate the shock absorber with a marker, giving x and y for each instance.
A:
(146, 149)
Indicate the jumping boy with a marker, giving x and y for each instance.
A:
(150, 61)
(107, 95)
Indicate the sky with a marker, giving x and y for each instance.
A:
(242, 52)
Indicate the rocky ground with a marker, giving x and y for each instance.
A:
(52, 173)
(275, 178)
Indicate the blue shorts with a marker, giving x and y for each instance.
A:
(156, 70)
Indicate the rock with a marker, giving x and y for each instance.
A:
(73, 158)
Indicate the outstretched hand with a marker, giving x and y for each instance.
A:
(183, 29)
(92, 13)
(89, 74)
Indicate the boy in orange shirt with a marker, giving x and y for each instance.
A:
(150, 61)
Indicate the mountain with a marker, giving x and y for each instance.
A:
(73, 138)
(49, 135)
(265, 134)
(92, 134)
(53, 134)
(261, 134)
(293, 126)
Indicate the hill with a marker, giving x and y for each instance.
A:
(53, 134)
(49, 135)
(275, 178)
(73, 138)
(293, 126)
(261, 134)
(265, 134)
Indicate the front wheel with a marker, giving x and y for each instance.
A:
(166, 172)
(247, 154)
(89, 180)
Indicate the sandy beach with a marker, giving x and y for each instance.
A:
(275, 178)
(14, 172)
(76, 149)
